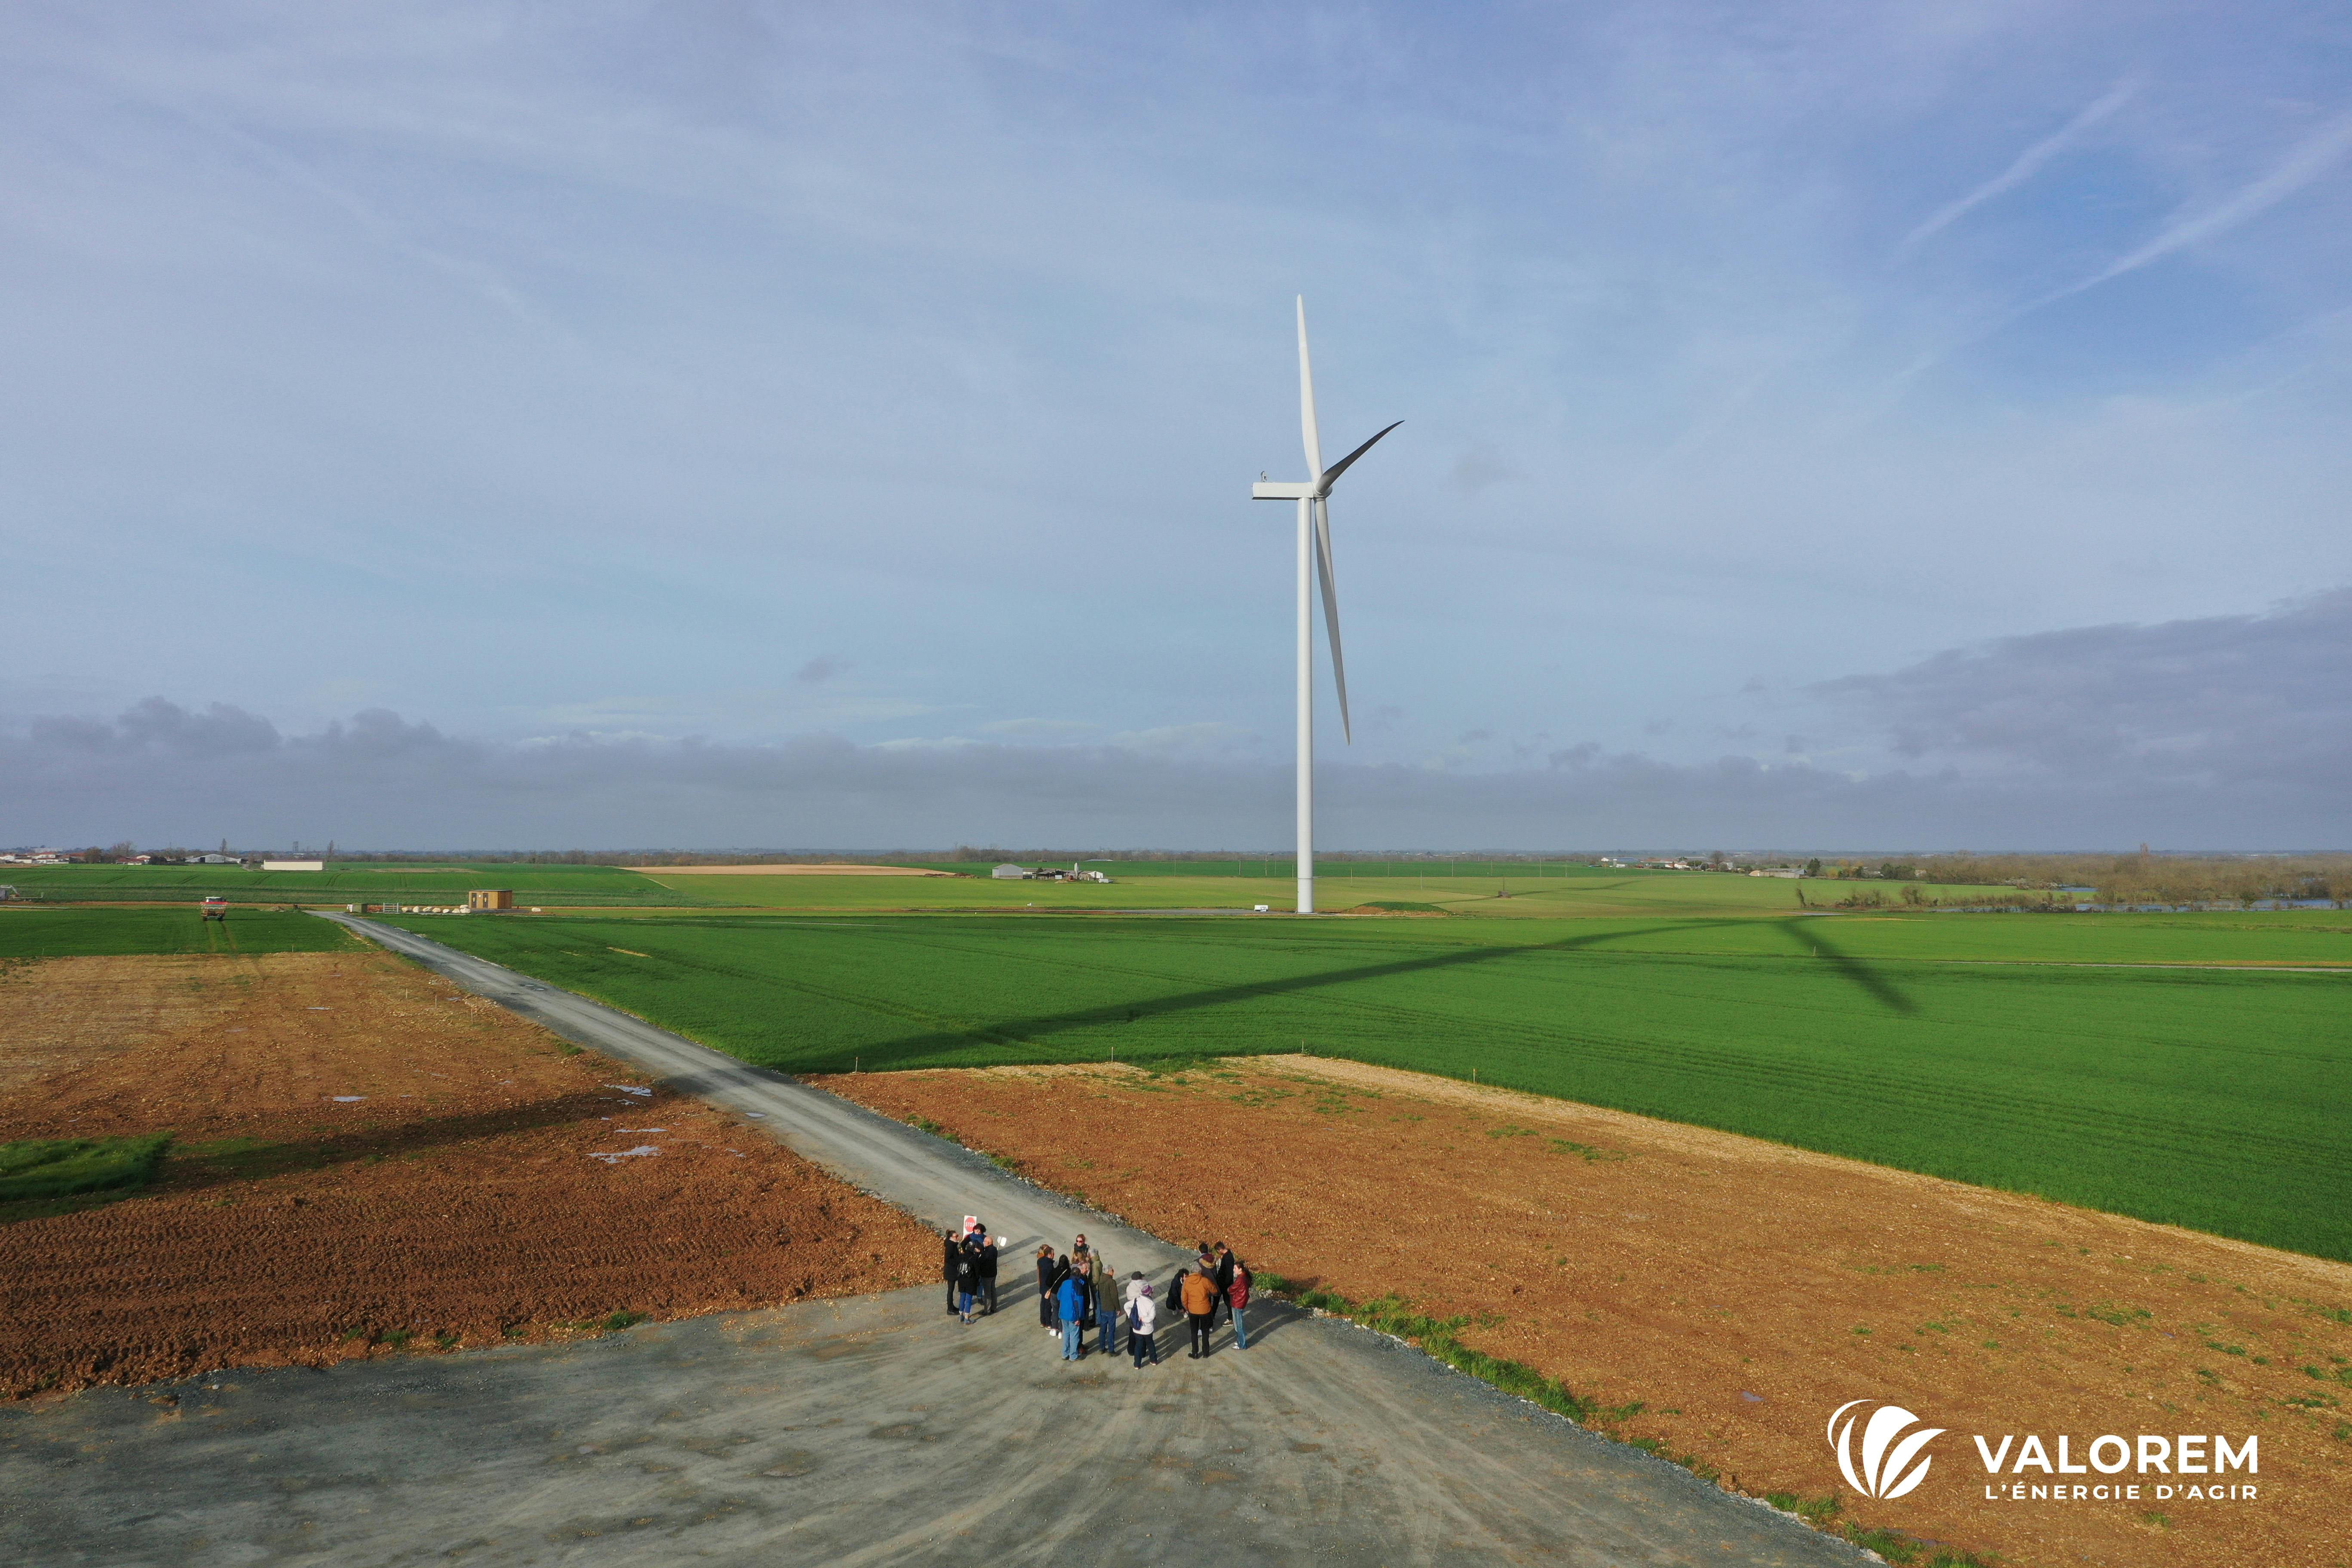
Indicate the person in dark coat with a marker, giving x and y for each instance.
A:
(1172, 1305)
(950, 1259)
(1049, 1275)
(988, 1272)
(1079, 1264)
(967, 1276)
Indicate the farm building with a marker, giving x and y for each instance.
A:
(1012, 873)
(490, 899)
(293, 865)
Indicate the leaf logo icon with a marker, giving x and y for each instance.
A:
(1878, 1465)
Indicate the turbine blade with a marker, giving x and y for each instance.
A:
(1331, 475)
(1331, 609)
(1307, 401)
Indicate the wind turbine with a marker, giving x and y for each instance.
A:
(1315, 539)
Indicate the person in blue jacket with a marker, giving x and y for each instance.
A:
(1070, 1296)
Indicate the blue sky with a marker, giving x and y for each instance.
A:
(647, 385)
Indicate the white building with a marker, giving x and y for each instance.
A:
(1008, 872)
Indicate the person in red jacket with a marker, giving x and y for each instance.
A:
(1236, 1297)
(1225, 1263)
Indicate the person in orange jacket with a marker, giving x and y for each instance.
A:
(1200, 1294)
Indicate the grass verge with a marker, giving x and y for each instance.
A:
(64, 1167)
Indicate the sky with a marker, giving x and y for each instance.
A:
(738, 424)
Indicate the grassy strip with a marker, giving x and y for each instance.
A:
(112, 932)
(1438, 1338)
(60, 1167)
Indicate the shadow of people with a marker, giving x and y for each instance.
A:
(1264, 1316)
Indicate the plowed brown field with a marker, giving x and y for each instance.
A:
(1735, 1291)
(368, 1160)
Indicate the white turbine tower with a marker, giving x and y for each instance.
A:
(1315, 539)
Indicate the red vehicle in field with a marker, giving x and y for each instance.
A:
(216, 908)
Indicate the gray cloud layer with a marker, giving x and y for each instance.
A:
(2228, 732)
(2226, 703)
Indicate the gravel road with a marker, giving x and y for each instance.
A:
(874, 1430)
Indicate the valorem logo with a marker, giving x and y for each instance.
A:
(1880, 1464)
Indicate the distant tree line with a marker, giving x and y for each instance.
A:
(2147, 878)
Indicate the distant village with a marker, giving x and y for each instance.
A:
(121, 854)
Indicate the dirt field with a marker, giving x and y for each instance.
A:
(1736, 1292)
(367, 1160)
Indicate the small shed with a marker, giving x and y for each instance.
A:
(1010, 873)
(490, 899)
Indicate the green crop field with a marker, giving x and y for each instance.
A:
(1501, 889)
(342, 882)
(32, 931)
(2002, 1050)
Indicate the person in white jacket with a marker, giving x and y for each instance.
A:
(1142, 1319)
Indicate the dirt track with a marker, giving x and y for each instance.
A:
(368, 1159)
(1735, 1290)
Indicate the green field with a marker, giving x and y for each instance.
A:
(32, 931)
(1988, 1048)
(342, 882)
(1502, 891)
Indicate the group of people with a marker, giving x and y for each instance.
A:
(1080, 1286)
(970, 1264)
